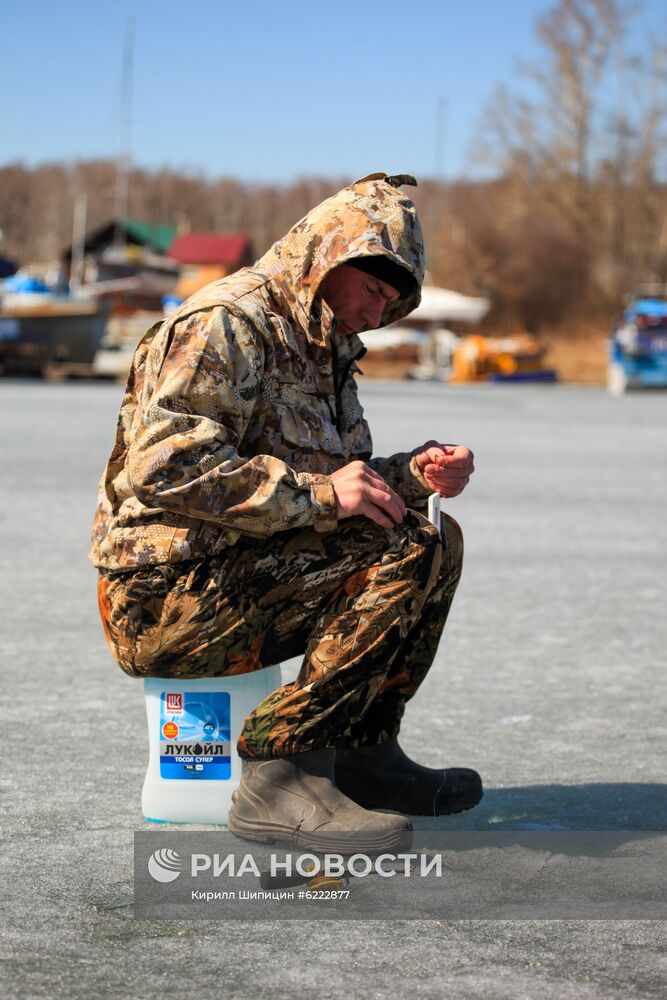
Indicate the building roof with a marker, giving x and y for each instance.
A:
(229, 249)
(158, 236)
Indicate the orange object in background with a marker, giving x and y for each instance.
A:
(480, 359)
(206, 257)
(195, 277)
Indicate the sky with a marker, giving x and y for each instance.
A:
(265, 91)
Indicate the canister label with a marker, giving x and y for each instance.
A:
(195, 735)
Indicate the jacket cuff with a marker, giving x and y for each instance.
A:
(323, 500)
(416, 473)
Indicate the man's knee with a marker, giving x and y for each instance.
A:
(416, 544)
(413, 549)
(437, 553)
(452, 537)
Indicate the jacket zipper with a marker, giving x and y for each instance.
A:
(346, 371)
(334, 371)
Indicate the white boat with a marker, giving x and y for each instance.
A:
(40, 330)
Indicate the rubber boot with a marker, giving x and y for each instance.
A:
(294, 799)
(381, 776)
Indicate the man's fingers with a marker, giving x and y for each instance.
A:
(378, 483)
(371, 475)
(446, 478)
(388, 501)
(455, 457)
(455, 462)
(458, 472)
(453, 481)
(374, 513)
(374, 477)
(447, 468)
(452, 458)
(362, 492)
(447, 491)
(446, 485)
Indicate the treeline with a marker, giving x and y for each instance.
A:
(574, 221)
(37, 204)
(523, 241)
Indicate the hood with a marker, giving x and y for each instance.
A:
(370, 217)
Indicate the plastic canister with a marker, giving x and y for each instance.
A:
(193, 726)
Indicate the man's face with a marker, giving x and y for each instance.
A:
(356, 299)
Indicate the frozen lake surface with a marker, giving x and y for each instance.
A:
(550, 681)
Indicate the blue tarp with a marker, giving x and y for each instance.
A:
(656, 308)
(24, 283)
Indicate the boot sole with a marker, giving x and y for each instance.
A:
(464, 806)
(353, 843)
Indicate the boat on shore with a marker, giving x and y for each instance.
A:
(42, 332)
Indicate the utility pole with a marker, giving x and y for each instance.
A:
(78, 243)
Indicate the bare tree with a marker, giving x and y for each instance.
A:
(584, 150)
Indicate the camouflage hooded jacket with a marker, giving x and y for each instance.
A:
(238, 407)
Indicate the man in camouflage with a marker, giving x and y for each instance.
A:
(242, 520)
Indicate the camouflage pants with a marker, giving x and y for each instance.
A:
(364, 605)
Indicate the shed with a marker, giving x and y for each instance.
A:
(206, 257)
(228, 250)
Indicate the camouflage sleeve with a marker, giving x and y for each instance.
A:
(200, 390)
(399, 470)
(403, 475)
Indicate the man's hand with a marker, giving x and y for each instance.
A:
(447, 468)
(360, 491)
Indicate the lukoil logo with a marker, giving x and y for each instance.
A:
(174, 701)
(164, 865)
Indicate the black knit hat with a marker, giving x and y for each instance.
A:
(379, 266)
